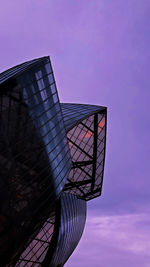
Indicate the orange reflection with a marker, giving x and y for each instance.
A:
(101, 125)
(70, 145)
(84, 134)
(88, 134)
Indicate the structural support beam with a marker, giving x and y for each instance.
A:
(78, 164)
(80, 148)
(88, 128)
(53, 243)
(94, 150)
(77, 186)
(78, 183)
(94, 192)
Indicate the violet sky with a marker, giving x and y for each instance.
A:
(100, 52)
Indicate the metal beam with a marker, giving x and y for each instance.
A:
(80, 148)
(85, 172)
(88, 128)
(54, 240)
(94, 150)
(78, 183)
(77, 186)
(78, 164)
(92, 193)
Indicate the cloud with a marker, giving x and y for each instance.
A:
(110, 241)
(122, 230)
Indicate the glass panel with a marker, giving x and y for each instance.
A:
(87, 143)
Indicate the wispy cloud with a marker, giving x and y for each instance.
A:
(125, 231)
(110, 241)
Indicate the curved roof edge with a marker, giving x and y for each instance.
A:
(74, 113)
(18, 69)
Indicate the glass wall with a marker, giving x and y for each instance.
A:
(34, 154)
(87, 138)
(51, 160)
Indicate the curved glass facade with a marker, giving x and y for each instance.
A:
(51, 162)
(59, 235)
(34, 154)
(69, 230)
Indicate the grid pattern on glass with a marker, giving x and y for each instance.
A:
(34, 156)
(73, 113)
(43, 103)
(35, 163)
(87, 146)
(19, 172)
(35, 253)
(73, 216)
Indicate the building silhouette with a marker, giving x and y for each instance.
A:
(51, 163)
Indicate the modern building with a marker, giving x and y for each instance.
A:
(51, 163)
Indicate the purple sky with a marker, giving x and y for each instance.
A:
(100, 52)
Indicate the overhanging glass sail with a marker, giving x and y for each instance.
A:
(86, 132)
